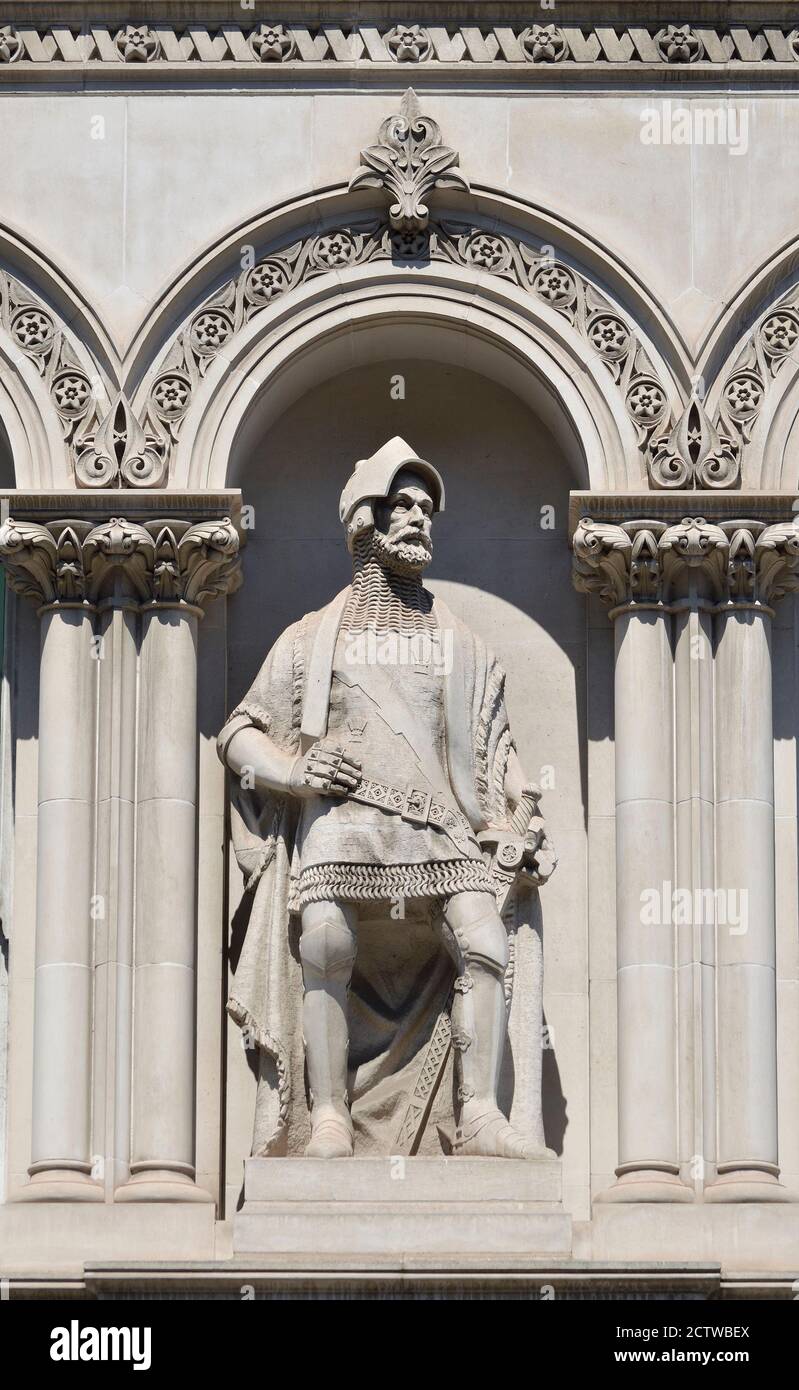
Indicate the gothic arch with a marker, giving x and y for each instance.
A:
(56, 363)
(750, 364)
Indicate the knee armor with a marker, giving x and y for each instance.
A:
(327, 950)
(484, 942)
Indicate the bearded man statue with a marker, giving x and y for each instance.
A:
(375, 780)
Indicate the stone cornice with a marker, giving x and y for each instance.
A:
(163, 558)
(609, 42)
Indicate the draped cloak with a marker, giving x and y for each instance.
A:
(403, 975)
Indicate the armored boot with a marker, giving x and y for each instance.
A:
(479, 1028)
(327, 952)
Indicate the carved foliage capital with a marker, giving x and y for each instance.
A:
(648, 562)
(161, 562)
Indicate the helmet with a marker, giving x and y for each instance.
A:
(372, 480)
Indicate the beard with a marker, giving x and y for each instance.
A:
(408, 554)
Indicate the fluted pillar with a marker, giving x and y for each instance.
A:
(48, 568)
(191, 563)
(694, 741)
(763, 564)
(693, 555)
(622, 566)
(120, 601)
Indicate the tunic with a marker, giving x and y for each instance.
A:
(349, 851)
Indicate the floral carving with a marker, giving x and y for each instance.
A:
(743, 395)
(272, 44)
(643, 561)
(544, 43)
(678, 43)
(10, 44)
(333, 250)
(555, 284)
(408, 161)
(119, 453)
(72, 562)
(72, 393)
(780, 332)
(507, 257)
(209, 330)
(694, 454)
(609, 335)
(409, 43)
(266, 281)
(602, 560)
(138, 44)
(329, 46)
(171, 395)
(33, 329)
(646, 402)
(491, 252)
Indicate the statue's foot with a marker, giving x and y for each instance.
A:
(331, 1135)
(489, 1135)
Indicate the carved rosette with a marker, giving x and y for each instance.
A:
(162, 563)
(544, 43)
(647, 563)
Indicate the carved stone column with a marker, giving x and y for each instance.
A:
(712, 1083)
(693, 559)
(46, 564)
(190, 564)
(119, 602)
(622, 566)
(762, 566)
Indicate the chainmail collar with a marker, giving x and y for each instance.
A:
(383, 601)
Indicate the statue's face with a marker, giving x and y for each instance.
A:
(403, 524)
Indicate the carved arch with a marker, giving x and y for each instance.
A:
(750, 360)
(574, 316)
(56, 365)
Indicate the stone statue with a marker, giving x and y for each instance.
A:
(375, 773)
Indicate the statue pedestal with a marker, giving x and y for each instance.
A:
(399, 1206)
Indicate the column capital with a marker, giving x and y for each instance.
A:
(654, 563)
(162, 562)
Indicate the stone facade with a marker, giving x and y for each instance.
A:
(556, 250)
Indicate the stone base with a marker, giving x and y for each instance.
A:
(58, 1238)
(398, 1206)
(754, 1237)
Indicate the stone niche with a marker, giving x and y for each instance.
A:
(500, 562)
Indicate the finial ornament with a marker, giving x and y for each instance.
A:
(409, 160)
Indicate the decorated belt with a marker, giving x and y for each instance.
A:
(418, 807)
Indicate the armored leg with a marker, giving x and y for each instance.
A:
(479, 942)
(327, 952)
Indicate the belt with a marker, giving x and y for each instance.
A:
(413, 805)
